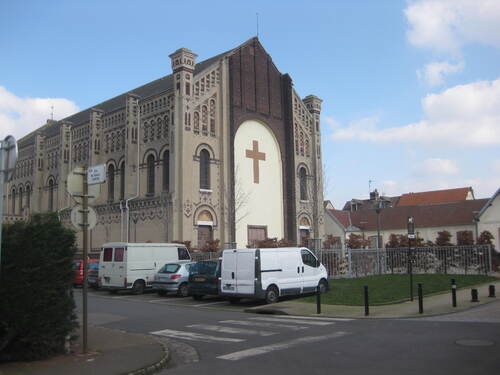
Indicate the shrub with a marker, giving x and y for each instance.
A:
(211, 245)
(37, 308)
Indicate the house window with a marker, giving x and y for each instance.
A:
(151, 174)
(303, 183)
(204, 169)
(20, 200)
(14, 201)
(166, 171)
(111, 183)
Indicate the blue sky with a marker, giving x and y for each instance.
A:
(410, 89)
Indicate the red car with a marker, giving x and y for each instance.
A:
(78, 268)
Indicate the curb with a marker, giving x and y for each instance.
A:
(152, 369)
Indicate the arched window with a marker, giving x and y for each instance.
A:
(204, 169)
(111, 183)
(51, 195)
(21, 200)
(122, 180)
(151, 174)
(13, 197)
(166, 171)
(28, 196)
(303, 184)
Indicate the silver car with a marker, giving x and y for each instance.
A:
(172, 277)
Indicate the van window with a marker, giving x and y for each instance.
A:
(119, 251)
(308, 258)
(183, 253)
(108, 255)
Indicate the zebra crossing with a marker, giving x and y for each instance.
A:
(239, 331)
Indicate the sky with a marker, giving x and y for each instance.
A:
(410, 89)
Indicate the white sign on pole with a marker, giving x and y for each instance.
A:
(77, 217)
(96, 174)
(74, 185)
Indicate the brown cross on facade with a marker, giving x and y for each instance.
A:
(256, 156)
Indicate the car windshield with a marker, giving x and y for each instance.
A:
(169, 268)
(203, 268)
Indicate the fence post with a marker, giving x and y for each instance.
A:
(367, 309)
(490, 266)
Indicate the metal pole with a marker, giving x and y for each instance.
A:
(85, 254)
(2, 178)
(410, 271)
(367, 309)
(318, 300)
(453, 293)
(420, 299)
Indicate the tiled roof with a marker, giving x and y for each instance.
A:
(433, 197)
(425, 216)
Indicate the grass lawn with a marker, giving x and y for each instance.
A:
(384, 289)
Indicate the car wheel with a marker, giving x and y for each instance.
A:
(323, 286)
(183, 290)
(272, 294)
(197, 297)
(162, 293)
(138, 287)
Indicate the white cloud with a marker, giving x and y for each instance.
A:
(465, 115)
(433, 73)
(496, 166)
(438, 167)
(447, 25)
(20, 116)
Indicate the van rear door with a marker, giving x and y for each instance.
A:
(245, 275)
(112, 267)
(228, 273)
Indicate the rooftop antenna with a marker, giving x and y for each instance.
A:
(257, 18)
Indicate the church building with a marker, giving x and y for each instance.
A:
(220, 149)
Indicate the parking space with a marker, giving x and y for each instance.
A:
(211, 302)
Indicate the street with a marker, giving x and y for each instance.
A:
(213, 336)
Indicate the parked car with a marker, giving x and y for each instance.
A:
(78, 268)
(93, 275)
(270, 273)
(172, 277)
(132, 266)
(204, 278)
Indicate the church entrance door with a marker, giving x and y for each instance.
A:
(304, 237)
(204, 235)
(256, 233)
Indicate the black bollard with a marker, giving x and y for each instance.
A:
(491, 289)
(420, 299)
(318, 300)
(367, 310)
(453, 293)
(473, 293)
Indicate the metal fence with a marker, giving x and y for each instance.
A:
(206, 255)
(467, 260)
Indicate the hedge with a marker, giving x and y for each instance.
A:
(36, 274)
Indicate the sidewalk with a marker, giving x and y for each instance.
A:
(109, 352)
(433, 305)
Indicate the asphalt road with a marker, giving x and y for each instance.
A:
(209, 337)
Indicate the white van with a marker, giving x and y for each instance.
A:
(133, 265)
(271, 273)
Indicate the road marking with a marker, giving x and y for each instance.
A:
(279, 346)
(314, 318)
(287, 320)
(209, 303)
(192, 336)
(263, 324)
(222, 329)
